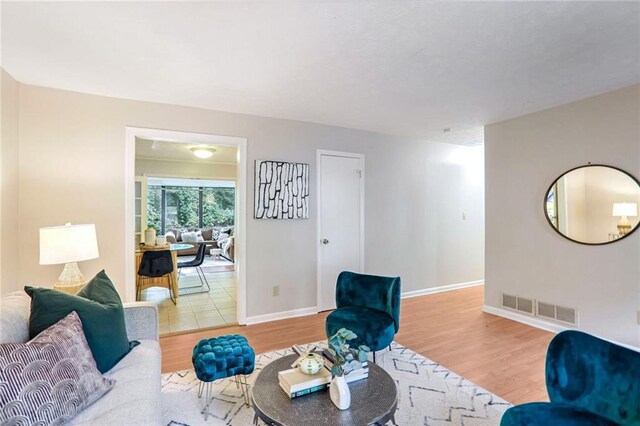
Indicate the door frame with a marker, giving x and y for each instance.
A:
(319, 154)
(241, 204)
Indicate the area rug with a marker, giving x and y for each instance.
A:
(429, 394)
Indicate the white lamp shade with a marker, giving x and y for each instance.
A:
(68, 243)
(625, 209)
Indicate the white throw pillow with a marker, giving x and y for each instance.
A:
(189, 237)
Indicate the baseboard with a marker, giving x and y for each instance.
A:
(440, 289)
(525, 319)
(257, 319)
(543, 325)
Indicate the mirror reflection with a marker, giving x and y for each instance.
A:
(594, 204)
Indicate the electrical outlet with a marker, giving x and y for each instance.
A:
(276, 290)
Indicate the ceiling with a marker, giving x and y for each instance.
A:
(401, 67)
(177, 151)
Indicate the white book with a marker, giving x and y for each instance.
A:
(354, 376)
(293, 380)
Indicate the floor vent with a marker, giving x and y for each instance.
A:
(557, 313)
(518, 303)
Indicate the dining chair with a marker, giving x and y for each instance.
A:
(197, 264)
(155, 264)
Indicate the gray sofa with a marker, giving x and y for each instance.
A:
(135, 399)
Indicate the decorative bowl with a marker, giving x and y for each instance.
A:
(310, 363)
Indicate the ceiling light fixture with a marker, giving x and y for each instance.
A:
(203, 152)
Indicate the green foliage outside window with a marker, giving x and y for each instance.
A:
(182, 205)
(218, 205)
(154, 207)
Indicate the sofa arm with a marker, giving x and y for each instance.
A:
(141, 320)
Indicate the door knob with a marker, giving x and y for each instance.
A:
(325, 241)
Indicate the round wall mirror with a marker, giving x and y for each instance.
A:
(593, 204)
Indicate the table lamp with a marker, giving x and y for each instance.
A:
(623, 211)
(68, 244)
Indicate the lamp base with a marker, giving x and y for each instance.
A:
(70, 280)
(624, 229)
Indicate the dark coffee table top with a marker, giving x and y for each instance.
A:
(373, 400)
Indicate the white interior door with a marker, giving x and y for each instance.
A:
(341, 221)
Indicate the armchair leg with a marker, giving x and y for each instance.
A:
(374, 357)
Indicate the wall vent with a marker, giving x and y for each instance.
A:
(557, 313)
(520, 304)
(546, 310)
(525, 305)
(566, 314)
(509, 301)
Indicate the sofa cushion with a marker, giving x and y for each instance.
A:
(14, 317)
(135, 398)
(171, 238)
(100, 309)
(207, 234)
(51, 378)
(177, 233)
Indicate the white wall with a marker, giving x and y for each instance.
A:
(9, 180)
(524, 255)
(72, 170)
(185, 169)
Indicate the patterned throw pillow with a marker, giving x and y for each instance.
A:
(51, 378)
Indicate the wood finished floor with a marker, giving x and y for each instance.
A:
(503, 356)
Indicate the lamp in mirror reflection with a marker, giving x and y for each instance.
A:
(624, 211)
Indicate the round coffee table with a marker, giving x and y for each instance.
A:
(373, 400)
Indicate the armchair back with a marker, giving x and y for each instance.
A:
(594, 375)
(370, 291)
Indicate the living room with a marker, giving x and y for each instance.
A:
(462, 134)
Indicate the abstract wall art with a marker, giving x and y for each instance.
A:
(281, 190)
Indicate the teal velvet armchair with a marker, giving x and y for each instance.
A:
(368, 305)
(590, 382)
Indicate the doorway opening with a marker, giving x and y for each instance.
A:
(195, 205)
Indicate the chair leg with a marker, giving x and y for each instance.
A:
(203, 277)
(171, 289)
(389, 348)
(374, 357)
(205, 410)
(200, 389)
(245, 389)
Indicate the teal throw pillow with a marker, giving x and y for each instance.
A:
(100, 309)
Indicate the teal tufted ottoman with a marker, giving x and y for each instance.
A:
(221, 357)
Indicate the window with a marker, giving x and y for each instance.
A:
(189, 206)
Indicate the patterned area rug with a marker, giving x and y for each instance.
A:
(429, 394)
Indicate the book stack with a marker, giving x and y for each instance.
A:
(297, 384)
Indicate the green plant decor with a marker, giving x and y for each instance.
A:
(347, 359)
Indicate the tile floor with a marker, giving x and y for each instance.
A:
(215, 308)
